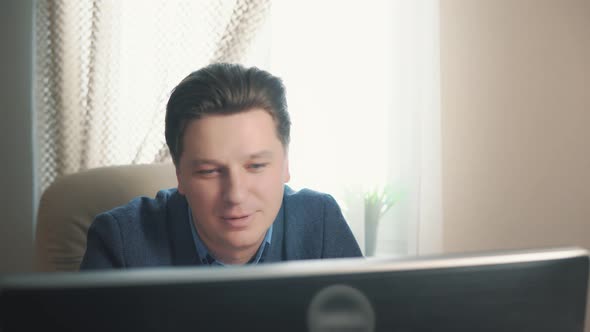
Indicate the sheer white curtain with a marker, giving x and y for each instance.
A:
(105, 70)
(362, 80)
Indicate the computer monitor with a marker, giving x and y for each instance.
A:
(542, 290)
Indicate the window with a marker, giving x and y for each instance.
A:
(361, 77)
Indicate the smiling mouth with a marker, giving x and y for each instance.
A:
(236, 217)
(240, 221)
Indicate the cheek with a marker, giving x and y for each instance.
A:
(271, 184)
(201, 193)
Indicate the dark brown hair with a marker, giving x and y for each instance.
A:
(223, 88)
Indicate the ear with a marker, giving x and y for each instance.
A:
(179, 180)
(286, 172)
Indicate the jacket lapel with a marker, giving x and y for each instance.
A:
(181, 240)
(277, 245)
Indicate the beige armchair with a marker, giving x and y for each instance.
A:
(69, 205)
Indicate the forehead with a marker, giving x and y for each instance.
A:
(243, 133)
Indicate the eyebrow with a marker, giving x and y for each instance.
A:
(257, 155)
(261, 154)
(198, 162)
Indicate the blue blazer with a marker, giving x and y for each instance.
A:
(156, 232)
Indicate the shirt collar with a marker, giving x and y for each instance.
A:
(207, 258)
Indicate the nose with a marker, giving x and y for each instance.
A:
(234, 187)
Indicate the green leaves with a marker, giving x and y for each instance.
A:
(379, 200)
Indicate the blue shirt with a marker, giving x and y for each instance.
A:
(207, 258)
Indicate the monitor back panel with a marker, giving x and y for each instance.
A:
(529, 296)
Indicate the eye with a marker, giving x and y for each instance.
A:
(257, 166)
(207, 172)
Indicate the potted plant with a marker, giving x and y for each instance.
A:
(377, 202)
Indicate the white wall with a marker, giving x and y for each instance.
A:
(516, 123)
(16, 170)
(515, 87)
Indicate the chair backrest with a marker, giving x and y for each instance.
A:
(69, 205)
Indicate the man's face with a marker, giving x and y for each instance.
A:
(232, 171)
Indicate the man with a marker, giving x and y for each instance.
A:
(227, 128)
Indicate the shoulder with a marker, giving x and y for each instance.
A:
(134, 234)
(145, 203)
(141, 214)
(308, 200)
(315, 226)
(311, 211)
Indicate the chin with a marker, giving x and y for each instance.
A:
(244, 239)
